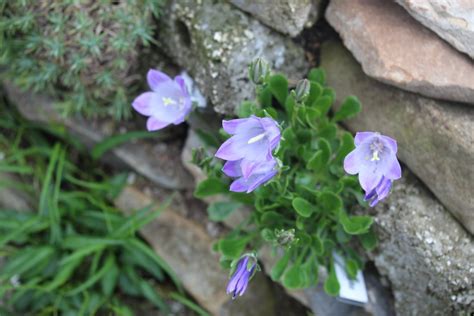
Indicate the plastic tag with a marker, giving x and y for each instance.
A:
(351, 291)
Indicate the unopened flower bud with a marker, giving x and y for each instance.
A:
(302, 90)
(259, 71)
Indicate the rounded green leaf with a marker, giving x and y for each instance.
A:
(331, 285)
(210, 186)
(349, 108)
(279, 267)
(330, 201)
(232, 247)
(302, 207)
(294, 277)
(218, 211)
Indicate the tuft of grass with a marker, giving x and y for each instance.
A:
(84, 53)
(74, 253)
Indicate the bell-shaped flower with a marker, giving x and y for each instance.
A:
(240, 278)
(253, 140)
(261, 173)
(168, 102)
(375, 160)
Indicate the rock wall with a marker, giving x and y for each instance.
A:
(435, 138)
(215, 42)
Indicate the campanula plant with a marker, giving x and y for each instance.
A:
(287, 160)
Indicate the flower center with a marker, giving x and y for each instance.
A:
(257, 138)
(169, 101)
(377, 148)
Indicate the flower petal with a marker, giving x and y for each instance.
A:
(394, 170)
(390, 143)
(232, 168)
(258, 181)
(153, 124)
(352, 162)
(142, 103)
(231, 126)
(369, 179)
(231, 149)
(155, 78)
(239, 185)
(361, 137)
(182, 84)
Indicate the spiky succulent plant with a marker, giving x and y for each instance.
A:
(83, 52)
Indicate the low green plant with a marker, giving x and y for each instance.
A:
(84, 53)
(304, 212)
(74, 253)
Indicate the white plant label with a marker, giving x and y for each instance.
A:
(352, 291)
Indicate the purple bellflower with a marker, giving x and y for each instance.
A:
(243, 273)
(375, 160)
(168, 102)
(249, 151)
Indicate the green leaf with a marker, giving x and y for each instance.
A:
(302, 207)
(232, 247)
(351, 268)
(188, 303)
(349, 108)
(331, 285)
(210, 186)
(317, 75)
(279, 87)
(267, 234)
(271, 218)
(368, 240)
(218, 211)
(110, 279)
(321, 158)
(346, 146)
(317, 244)
(293, 277)
(290, 104)
(265, 98)
(280, 267)
(116, 140)
(356, 225)
(330, 201)
(314, 93)
(246, 109)
(152, 295)
(323, 104)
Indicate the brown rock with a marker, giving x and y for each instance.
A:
(156, 161)
(183, 242)
(435, 138)
(396, 49)
(451, 20)
(286, 16)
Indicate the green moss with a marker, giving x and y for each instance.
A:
(85, 53)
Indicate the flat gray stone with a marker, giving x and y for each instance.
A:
(396, 49)
(286, 16)
(435, 138)
(215, 42)
(451, 20)
(186, 245)
(154, 160)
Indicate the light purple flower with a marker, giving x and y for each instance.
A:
(253, 138)
(249, 151)
(241, 277)
(167, 103)
(261, 173)
(375, 160)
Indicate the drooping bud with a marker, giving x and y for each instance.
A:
(259, 70)
(302, 90)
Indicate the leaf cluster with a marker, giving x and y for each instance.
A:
(85, 53)
(304, 213)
